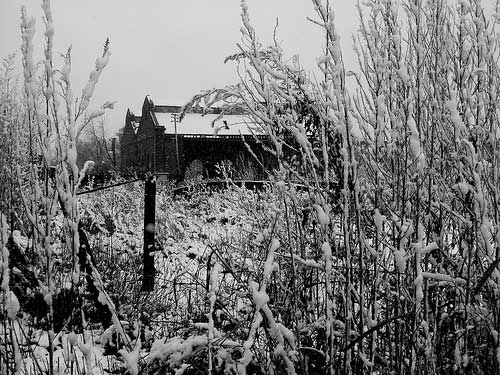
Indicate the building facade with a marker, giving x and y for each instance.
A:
(158, 142)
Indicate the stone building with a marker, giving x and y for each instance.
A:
(156, 141)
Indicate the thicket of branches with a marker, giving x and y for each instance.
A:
(411, 248)
(386, 262)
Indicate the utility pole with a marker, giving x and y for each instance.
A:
(174, 119)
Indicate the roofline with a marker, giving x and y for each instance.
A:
(167, 108)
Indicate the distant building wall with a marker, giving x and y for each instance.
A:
(145, 147)
(212, 151)
(128, 143)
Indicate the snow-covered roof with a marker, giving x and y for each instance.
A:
(196, 124)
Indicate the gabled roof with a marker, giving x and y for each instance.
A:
(196, 124)
(212, 123)
(131, 123)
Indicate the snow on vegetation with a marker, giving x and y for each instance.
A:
(373, 247)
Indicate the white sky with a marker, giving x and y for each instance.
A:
(170, 50)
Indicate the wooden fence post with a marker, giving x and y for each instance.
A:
(148, 275)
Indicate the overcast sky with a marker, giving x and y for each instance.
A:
(170, 50)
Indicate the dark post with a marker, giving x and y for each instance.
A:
(148, 275)
(113, 150)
